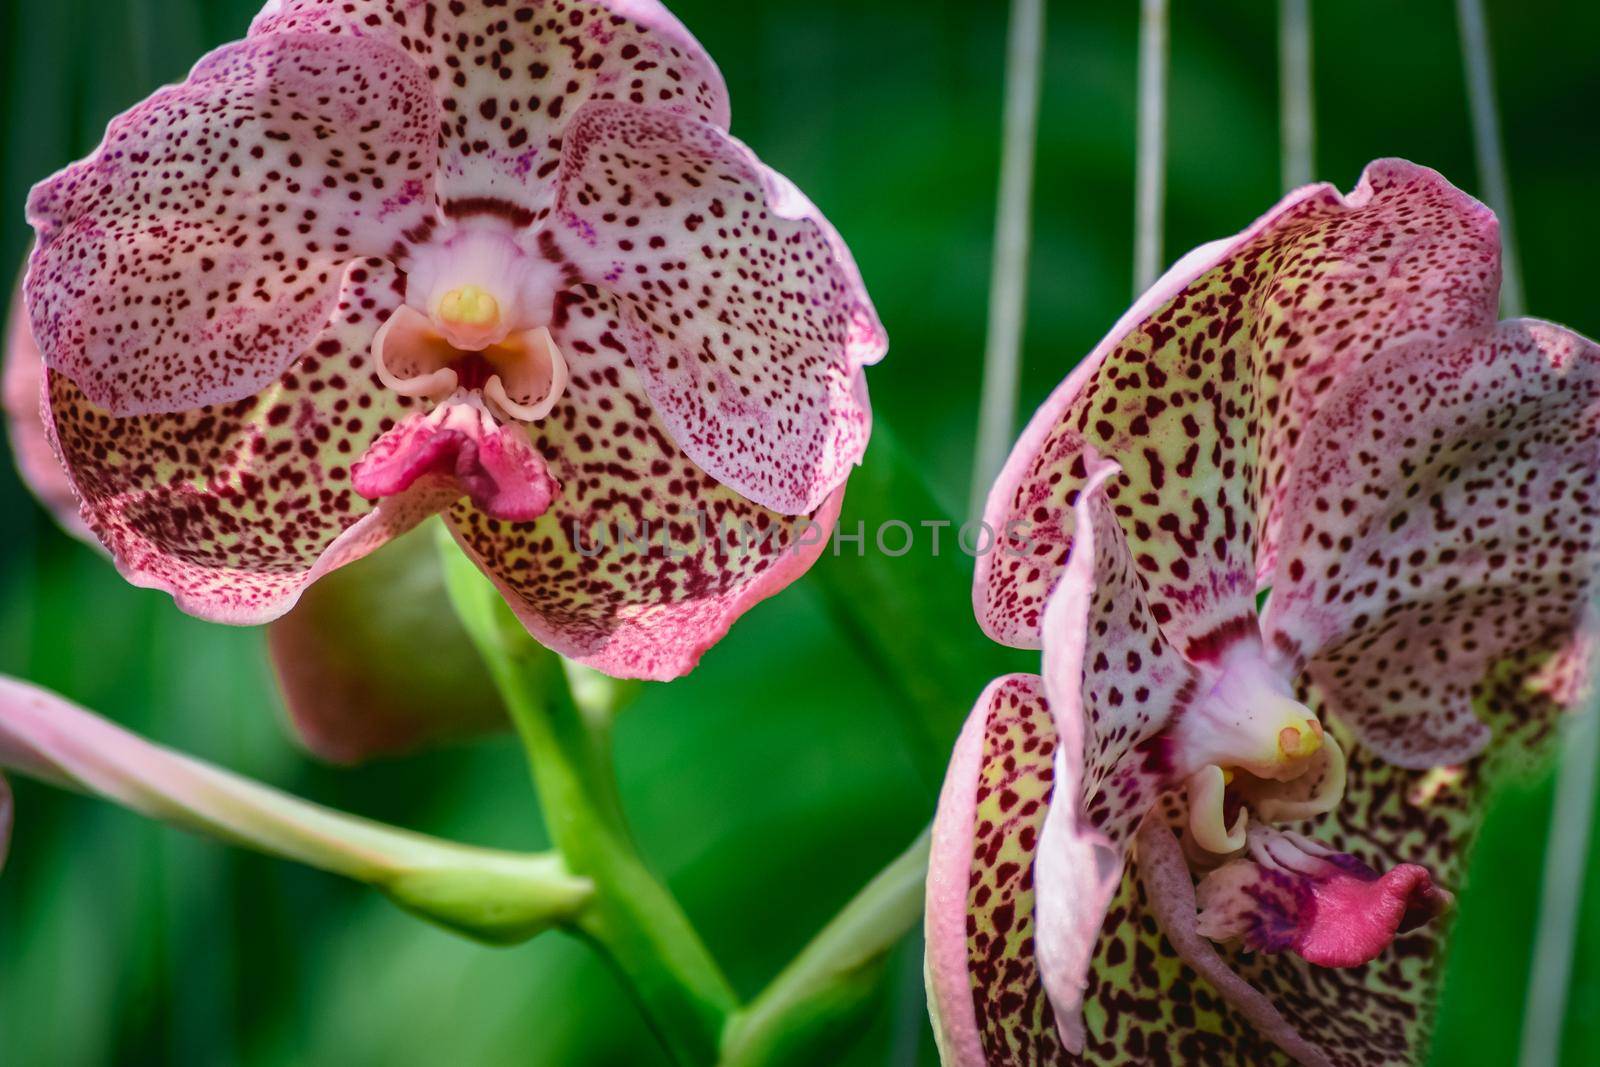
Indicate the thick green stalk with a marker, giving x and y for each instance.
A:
(633, 918)
(827, 985)
(493, 896)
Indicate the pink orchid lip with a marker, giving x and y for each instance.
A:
(1290, 892)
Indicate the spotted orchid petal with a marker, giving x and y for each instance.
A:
(642, 561)
(984, 992)
(752, 326)
(1113, 684)
(1202, 389)
(509, 80)
(23, 392)
(1443, 539)
(200, 249)
(372, 662)
(236, 508)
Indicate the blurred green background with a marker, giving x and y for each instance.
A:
(765, 789)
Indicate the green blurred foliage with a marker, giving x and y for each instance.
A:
(766, 790)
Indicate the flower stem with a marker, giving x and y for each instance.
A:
(1491, 153)
(1152, 163)
(632, 917)
(1008, 286)
(498, 897)
(834, 974)
(1295, 93)
(1561, 894)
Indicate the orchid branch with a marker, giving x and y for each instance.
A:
(632, 917)
(493, 896)
(836, 971)
(1152, 161)
(1491, 152)
(1299, 132)
(1008, 286)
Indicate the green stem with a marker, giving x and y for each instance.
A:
(632, 917)
(834, 975)
(493, 896)
(1008, 278)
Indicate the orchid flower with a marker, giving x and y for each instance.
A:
(343, 655)
(1323, 406)
(378, 261)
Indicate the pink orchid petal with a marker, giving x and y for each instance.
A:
(578, 577)
(1113, 684)
(983, 983)
(234, 509)
(752, 323)
(459, 449)
(200, 249)
(1443, 537)
(1331, 909)
(510, 78)
(1203, 387)
(372, 661)
(23, 391)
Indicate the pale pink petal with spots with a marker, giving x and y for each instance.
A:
(510, 77)
(1201, 390)
(984, 993)
(235, 508)
(23, 388)
(372, 661)
(754, 325)
(1442, 532)
(1114, 684)
(643, 560)
(200, 249)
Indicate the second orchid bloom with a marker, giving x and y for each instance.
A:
(1325, 408)
(366, 265)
